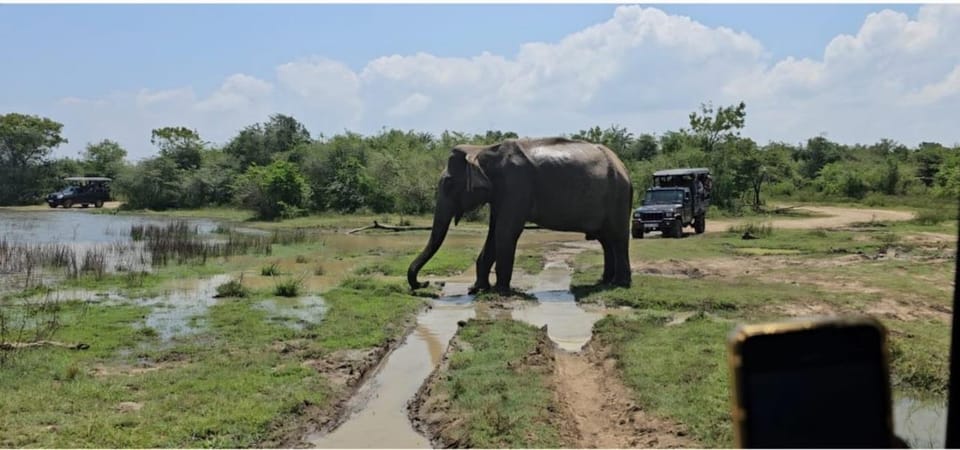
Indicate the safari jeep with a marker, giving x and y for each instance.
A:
(679, 198)
(83, 191)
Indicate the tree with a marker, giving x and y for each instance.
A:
(819, 152)
(104, 158)
(181, 144)
(154, 183)
(282, 133)
(26, 140)
(645, 147)
(260, 143)
(712, 127)
(276, 190)
(25, 143)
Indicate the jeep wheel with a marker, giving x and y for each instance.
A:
(637, 233)
(676, 230)
(700, 224)
(67, 204)
(53, 205)
(98, 204)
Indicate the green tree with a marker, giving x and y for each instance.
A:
(714, 126)
(180, 144)
(154, 183)
(105, 158)
(25, 143)
(260, 143)
(276, 190)
(819, 152)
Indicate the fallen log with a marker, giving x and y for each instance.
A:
(379, 226)
(18, 345)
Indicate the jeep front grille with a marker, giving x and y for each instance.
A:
(651, 216)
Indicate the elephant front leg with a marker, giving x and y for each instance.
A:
(609, 261)
(506, 248)
(484, 263)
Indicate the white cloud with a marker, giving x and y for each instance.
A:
(148, 98)
(941, 90)
(896, 76)
(237, 92)
(411, 105)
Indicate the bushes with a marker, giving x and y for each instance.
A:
(277, 190)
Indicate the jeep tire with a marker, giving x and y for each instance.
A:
(676, 229)
(700, 224)
(637, 232)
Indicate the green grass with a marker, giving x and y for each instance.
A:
(227, 386)
(232, 288)
(364, 312)
(270, 270)
(703, 294)
(688, 382)
(447, 261)
(289, 287)
(501, 406)
(918, 355)
(815, 242)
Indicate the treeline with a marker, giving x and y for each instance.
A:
(277, 169)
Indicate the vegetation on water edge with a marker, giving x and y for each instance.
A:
(501, 404)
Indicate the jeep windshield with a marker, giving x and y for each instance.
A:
(666, 197)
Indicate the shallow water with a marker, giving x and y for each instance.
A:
(174, 314)
(923, 424)
(75, 226)
(296, 312)
(379, 418)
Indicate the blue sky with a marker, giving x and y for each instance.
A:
(133, 67)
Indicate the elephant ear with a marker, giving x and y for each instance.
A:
(464, 163)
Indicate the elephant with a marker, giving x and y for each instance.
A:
(556, 183)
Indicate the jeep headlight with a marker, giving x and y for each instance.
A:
(636, 215)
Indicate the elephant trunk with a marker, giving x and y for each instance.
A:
(441, 223)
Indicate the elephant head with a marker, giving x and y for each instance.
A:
(464, 186)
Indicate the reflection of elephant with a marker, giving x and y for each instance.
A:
(556, 183)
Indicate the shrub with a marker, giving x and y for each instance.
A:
(232, 288)
(288, 288)
(270, 271)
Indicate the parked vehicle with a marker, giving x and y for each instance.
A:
(678, 198)
(83, 191)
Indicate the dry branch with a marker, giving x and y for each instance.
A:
(378, 226)
(19, 345)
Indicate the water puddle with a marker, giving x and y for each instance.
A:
(176, 313)
(379, 418)
(296, 312)
(923, 424)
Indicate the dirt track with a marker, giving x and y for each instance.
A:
(832, 217)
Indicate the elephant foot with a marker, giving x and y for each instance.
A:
(420, 285)
(503, 291)
(475, 289)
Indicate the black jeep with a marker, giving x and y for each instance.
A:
(83, 191)
(679, 198)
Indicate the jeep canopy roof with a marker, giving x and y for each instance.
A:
(87, 179)
(681, 172)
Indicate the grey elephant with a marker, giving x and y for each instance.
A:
(557, 183)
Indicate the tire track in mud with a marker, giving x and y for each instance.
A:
(592, 407)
